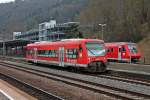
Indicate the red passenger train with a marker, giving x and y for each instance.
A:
(123, 52)
(86, 54)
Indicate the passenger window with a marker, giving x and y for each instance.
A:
(108, 50)
(72, 53)
(80, 48)
(123, 49)
(53, 53)
(119, 49)
(47, 53)
(41, 52)
(112, 50)
(29, 52)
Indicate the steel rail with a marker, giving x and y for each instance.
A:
(23, 59)
(38, 93)
(124, 79)
(112, 91)
(141, 77)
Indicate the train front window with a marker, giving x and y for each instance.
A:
(132, 48)
(95, 49)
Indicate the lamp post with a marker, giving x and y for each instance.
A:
(102, 27)
(3, 48)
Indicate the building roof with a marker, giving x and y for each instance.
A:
(13, 43)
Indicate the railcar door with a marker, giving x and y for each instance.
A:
(35, 55)
(61, 56)
(119, 53)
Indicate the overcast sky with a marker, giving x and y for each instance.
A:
(4, 1)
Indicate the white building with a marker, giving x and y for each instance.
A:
(48, 31)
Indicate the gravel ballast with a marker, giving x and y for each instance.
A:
(109, 82)
(55, 87)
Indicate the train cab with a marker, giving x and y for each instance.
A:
(95, 54)
(123, 52)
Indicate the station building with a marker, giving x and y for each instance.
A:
(29, 35)
(48, 31)
(15, 48)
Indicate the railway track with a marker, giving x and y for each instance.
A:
(122, 76)
(124, 79)
(22, 59)
(100, 88)
(140, 78)
(32, 90)
(145, 80)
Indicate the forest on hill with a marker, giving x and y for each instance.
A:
(126, 20)
(144, 46)
(23, 15)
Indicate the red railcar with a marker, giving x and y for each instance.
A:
(87, 54)
(122, 51)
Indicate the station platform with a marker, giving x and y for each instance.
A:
(9, 92)
(133, 68)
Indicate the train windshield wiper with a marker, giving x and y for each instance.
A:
(91, 51)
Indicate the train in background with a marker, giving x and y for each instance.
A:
(84, 54)
(122, 52)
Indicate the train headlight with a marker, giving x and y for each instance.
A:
(80, 55)
(123, 54)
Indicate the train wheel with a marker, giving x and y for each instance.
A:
(103, 67)
(73, 69)
(96, 67)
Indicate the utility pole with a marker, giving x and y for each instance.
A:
(102, 30)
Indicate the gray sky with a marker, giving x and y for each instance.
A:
(3, 1)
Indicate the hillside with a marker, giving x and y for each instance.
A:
(23, 15)
(144, 46)
(127, 20)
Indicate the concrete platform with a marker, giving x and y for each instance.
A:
(135, 68)
(9, 92)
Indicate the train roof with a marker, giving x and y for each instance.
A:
(74, 40)
(118, 43)
(64, 41)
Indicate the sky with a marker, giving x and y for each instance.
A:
(4, 1)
